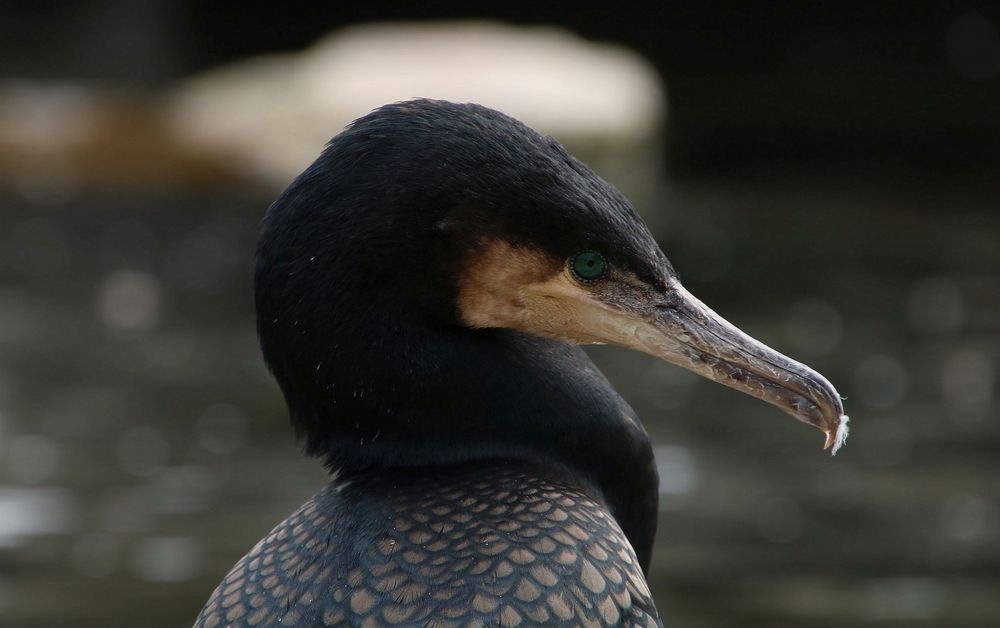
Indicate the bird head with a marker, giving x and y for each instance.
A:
(432, 215)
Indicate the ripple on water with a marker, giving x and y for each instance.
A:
(881, 381)
(125, 509)
(39, 246)
(182, 489)
(887, 441)
(221, 428)
(167, 559)
(26, 512)
(666, 387)
(96, 555)
(779, 519)
(814, 327)
(936, 305)
(970, 518)
(142, 450)
(902, 599)
(967, 381)
(32, 458)
(203, 257)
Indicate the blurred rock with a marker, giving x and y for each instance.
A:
(272, 115)
(263, 120)
(58, 139)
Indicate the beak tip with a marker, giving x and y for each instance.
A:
(835, 439)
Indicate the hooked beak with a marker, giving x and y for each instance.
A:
(680, 329)
(686, 332)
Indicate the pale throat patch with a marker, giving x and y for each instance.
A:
(522, 288)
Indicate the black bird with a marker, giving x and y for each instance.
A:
(421, 292)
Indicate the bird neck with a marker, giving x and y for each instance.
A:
(393, 392)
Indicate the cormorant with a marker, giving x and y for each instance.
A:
(422, 290)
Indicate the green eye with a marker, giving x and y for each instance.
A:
(589, 265)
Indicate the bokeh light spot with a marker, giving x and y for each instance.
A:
(677, 470)
(129, 300)
(970, 518)
(902, 599)
(167, 559)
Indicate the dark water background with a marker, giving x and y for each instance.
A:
(833, 190)
(145, 447)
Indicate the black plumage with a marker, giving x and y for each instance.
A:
(421, 291)
(355, 285)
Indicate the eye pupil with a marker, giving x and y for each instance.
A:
(588, 265)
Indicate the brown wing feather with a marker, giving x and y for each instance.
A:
(493, 546)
